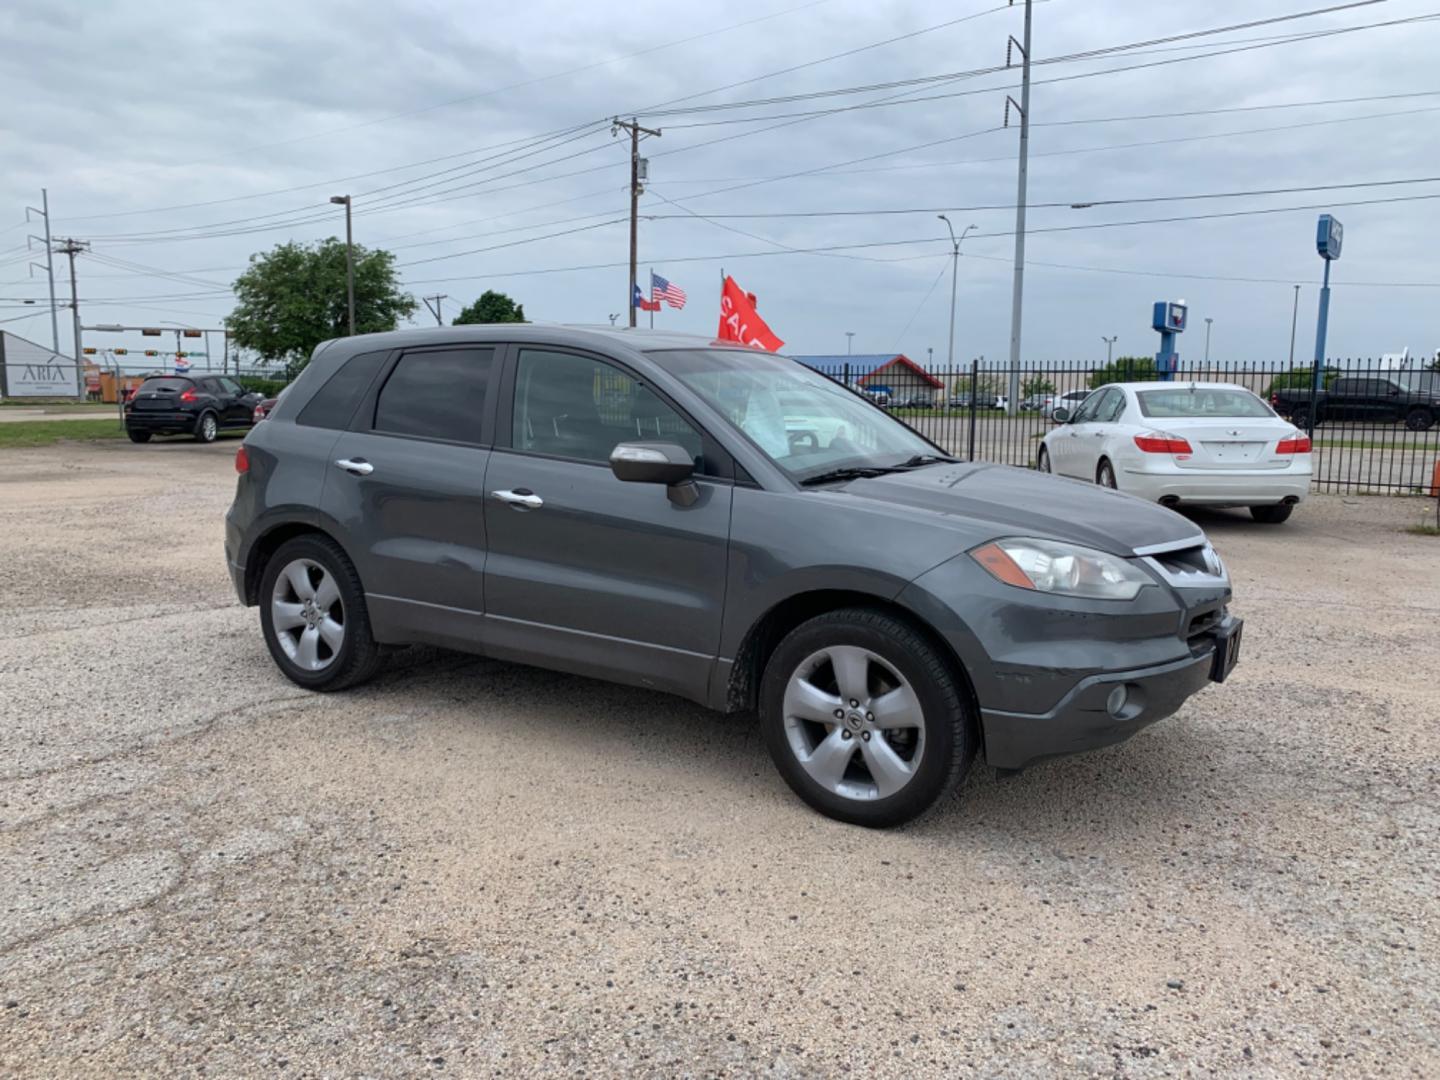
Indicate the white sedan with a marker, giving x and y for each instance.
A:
(1208, 444)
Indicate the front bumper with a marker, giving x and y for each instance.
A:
(1081, 719)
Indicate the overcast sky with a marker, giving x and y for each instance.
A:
(127, 110)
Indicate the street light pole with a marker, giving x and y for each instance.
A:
(1294, 314)
(1109, 347)
(849, 341)
(344, 200)
(954, 278)
(1208, 321)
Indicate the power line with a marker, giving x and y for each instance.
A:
(1073, 204)
(580, 131)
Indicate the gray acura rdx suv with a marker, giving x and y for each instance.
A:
(722, 524)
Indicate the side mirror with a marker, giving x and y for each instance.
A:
(657, 463)
(1060, 414)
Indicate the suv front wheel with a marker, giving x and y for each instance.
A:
(313, 615)
(864, 718)
(207, 427)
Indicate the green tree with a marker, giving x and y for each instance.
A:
(293, 297)
(1125, 369)
(492, 307)
(1036, 384)
(1299, 379)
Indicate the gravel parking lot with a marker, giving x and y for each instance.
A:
(474, 868)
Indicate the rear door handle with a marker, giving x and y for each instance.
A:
(520, 499)
(356, 466)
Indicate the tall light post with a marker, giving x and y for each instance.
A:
(954, 277)
(1109, 347)
(344, 200)
(1208, 321)
(1294, 314)
(849, 341)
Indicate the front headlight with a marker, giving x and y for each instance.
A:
(1063, 569)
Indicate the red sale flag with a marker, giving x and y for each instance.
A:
(739, 322)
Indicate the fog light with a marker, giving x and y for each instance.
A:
(1115, 703)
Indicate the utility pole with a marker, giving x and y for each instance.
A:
(344, 200)
(439, 298)
(72, 247)
(1294, 314)
(44, 212)
(639, 173)
(1109, 347)
(1017, 298)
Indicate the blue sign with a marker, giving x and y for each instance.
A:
(1169, 316)
(1328, 237)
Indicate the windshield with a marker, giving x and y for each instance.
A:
(1200, 402)
(807, 424)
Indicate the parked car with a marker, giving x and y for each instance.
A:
(198, 405)
(959, 401)
(1412, 397)
(1041, 403)
(914, 401)
(463, 487)
(1210, 444)
(266, 406)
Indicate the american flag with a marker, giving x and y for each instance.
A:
(661, 289)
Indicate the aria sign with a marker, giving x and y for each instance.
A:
(30, 370)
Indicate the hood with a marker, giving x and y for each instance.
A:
(1023, 502)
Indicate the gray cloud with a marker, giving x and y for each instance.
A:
(127, 106)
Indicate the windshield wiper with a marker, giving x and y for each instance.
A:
(853, 473)
(925, 459)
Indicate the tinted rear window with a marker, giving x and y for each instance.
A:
(436, 394)
(334, 403)
(1201, 402)
(166, 386)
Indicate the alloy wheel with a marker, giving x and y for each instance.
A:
(208, 427)
(308, 614)
(854, 723)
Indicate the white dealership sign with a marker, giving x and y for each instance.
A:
(30, 370)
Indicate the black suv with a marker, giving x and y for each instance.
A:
(198, 405)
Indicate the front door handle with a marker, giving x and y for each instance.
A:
(520, 499)
(356, 466)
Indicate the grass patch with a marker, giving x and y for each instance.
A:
(49, 432)
(1424, 530)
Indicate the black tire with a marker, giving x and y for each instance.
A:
(137, 436)
(949, 728)
(1300, 417)
(359, 655)
(1042, 460)
(1105, 475)
(1419, 419)
(1273, 514)
(207, 427)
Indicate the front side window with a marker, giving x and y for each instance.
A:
(436, 394)
(1090, 408)
(232, 387)
(804, 422)
(575, 407)
(1112, 407)
(1201, 402)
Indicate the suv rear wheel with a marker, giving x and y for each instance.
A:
(313, 616)
(864, 718)
(1419, 419)
(207, 427)
(137, 436)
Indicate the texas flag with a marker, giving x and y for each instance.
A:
(642, 303)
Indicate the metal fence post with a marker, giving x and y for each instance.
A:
(974, 391)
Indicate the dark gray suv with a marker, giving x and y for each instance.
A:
(722, 524)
